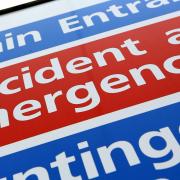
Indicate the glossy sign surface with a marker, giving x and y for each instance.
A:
(90, 91)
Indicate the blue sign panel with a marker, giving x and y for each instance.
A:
(145, 146)
(79, 24)
(76, 84)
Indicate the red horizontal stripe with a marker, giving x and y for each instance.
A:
(152, 38)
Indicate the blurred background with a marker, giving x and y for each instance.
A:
(4, 4)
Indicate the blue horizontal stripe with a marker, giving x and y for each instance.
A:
(130, 130)
(52, 34)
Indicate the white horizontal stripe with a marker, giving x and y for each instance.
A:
(89, 124)
(90, 39)
(43, 11)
